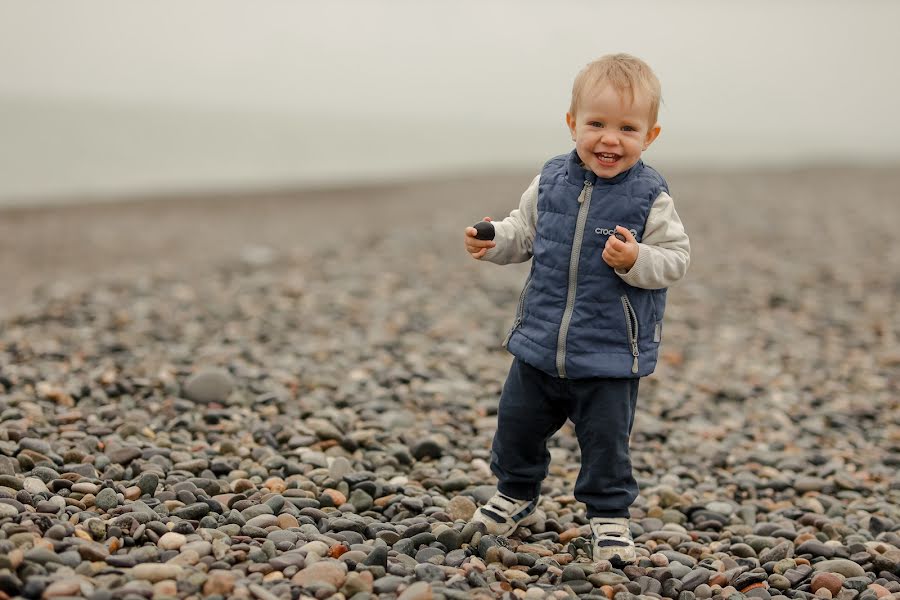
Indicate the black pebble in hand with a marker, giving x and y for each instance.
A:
(620, 236)
(485, 230)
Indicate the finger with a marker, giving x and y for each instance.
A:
(471, 231)
(476, 245)
(487, 219)
(629, 237)
(480, 254)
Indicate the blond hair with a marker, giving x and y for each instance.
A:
(627, 74)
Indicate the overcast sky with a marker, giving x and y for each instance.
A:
(110, 96)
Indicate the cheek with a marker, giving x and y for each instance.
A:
(587, 139)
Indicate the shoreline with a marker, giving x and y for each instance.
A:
(212, 193)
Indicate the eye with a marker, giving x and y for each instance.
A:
(628, 128)
(595, 124)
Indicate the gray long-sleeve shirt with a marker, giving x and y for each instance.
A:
(664, 252)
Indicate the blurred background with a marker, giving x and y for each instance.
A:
(110, 100)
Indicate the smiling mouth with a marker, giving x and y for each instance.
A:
(607, 157)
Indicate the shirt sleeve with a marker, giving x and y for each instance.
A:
(514, 235)
(664, 252)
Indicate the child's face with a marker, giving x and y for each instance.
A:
(609, 132)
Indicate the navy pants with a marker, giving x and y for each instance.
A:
(534, 405)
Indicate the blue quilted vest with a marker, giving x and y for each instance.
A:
(576, 318)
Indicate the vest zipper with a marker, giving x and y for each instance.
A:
(585, 201)
(631, 324)
(520, 310)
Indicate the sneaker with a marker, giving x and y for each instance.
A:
(502, 515)
(612, 541)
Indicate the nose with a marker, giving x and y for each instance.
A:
(609, 138)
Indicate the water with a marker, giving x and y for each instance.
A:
(103, 101)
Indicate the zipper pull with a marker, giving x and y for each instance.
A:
(584, 190)
(634, 365)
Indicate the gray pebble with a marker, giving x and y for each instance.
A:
(106, 500)
(209, 385)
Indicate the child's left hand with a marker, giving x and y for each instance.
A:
(618, 254)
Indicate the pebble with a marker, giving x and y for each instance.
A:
(71, 586)
(155, 572)
(209, 385)
(816, 548)
(106, 500)
(847, 568)
(420, 590)
(331, 572)
(219, 582)
(831, 581)
(148, 483)
(171, 541)
(35, 486)
(124, 455)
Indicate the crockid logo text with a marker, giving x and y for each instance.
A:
(604, 231)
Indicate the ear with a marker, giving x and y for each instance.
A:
(570, 121)
(652, 135)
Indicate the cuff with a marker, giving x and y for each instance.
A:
(635, 274)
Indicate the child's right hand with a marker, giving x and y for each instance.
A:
(477, 248)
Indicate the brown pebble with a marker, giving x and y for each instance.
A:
(166, 587)
(275, 484)
(336, 496)
(64, 587)
(219, 582)
(831, 581)
(385, 500)
(15, 558)
(461, 508)
(493, 555)
(880, 590)
(569, 534)
(81, 533)
(421, 590)
(132, 493)
(659, 560)
(242, 485)
(286, 521)
(534, 549)
(329, 571)
(224, 499)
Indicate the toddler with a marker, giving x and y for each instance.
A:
(605, 243)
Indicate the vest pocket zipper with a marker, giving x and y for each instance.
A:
(631, 325)
(520, 310)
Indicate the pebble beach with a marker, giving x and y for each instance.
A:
(293, 395)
